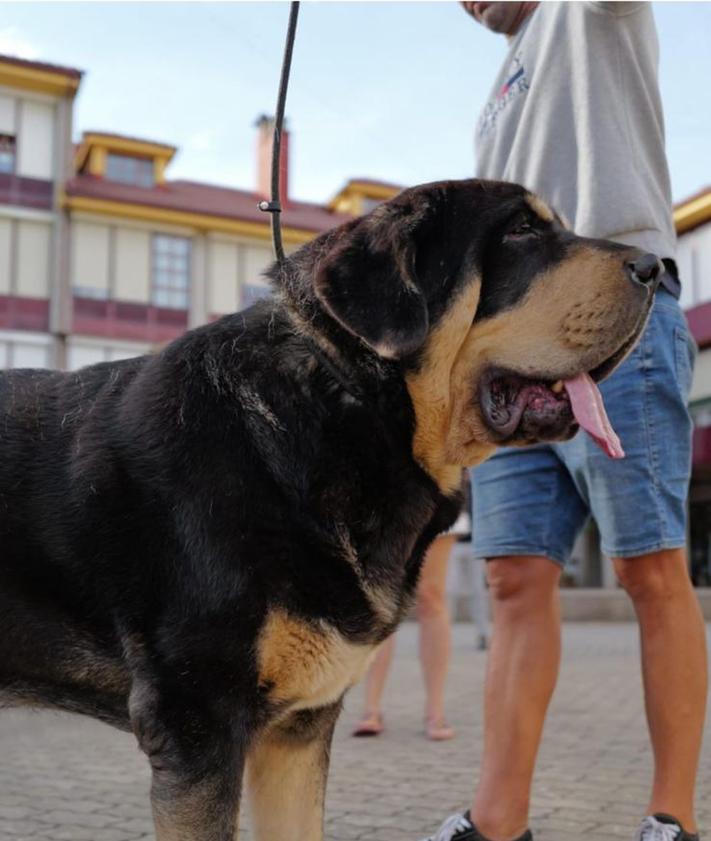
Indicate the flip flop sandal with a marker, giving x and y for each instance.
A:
(437, 730)
(369, 725)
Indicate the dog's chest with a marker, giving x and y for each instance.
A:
(304, 665)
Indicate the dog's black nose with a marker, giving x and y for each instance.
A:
(646, 269)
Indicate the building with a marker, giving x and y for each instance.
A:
(36, 102)
(693, 222)
(102, 255)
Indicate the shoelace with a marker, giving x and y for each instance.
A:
(653, 830)
(452, 825)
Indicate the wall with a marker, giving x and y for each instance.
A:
(112, 259)
(694, 259)
(21, 349)
(84, 350)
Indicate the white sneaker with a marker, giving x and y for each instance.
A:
(461, 828)
(455, 828)
(663, 828)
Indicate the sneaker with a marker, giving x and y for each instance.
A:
(460, 828)
(663, 828)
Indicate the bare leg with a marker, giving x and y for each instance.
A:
(286, 776)
(674, 669)
(435, 632)
(371, 720)
(521, 676)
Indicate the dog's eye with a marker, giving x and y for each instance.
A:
(523, 229)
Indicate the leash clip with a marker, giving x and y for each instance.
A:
(270, 206)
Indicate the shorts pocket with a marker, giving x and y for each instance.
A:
(684, 357)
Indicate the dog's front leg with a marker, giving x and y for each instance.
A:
(287, 768)
(197, 764)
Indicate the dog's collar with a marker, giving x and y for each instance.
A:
(343, 379)
(340, 376)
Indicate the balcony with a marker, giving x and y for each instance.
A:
(127, 320)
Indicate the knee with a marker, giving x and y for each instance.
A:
(519, 580)
(431, 601)
(153, 736)
(661, 575)
(175, 755)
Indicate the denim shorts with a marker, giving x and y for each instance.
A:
(534, 501)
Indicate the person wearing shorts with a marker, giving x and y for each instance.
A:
(575, 115)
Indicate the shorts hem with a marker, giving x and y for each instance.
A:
(644, 550)
(501, 551)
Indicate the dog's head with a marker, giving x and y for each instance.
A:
(492, 307)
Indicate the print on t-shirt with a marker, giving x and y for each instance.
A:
(516, 84)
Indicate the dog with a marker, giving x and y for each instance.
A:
(206, 545)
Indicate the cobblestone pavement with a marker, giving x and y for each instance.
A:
(65, 778)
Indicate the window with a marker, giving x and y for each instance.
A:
(370, 204)
(95, 292)
(25, 355)
(7, 153)
(129, 170)
(170, 272)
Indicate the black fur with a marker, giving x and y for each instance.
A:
(153, 512)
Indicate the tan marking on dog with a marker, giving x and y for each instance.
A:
(433, 393)
(573, 317)
(540, 207)
(307, 664)
(286, 785)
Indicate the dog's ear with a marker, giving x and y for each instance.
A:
(368, 282)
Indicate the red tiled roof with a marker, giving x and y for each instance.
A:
(194, 197)
(70, 72)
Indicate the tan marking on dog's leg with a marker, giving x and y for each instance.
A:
(307, 664)
(540, 207)
(286, 777)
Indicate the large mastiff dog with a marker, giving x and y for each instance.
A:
(206, 545)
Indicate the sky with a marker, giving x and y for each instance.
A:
(378, 89)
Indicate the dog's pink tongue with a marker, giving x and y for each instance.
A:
(589, 411)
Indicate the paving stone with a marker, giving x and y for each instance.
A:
(66, 778)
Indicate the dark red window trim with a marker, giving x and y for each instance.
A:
(26, 192)
(127, 320)
(18, 313)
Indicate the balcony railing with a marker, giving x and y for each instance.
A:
(127, 320)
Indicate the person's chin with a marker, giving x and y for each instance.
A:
(495, 19)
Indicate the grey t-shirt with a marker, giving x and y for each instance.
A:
(575, 115)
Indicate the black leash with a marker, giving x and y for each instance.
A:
(274, 205)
